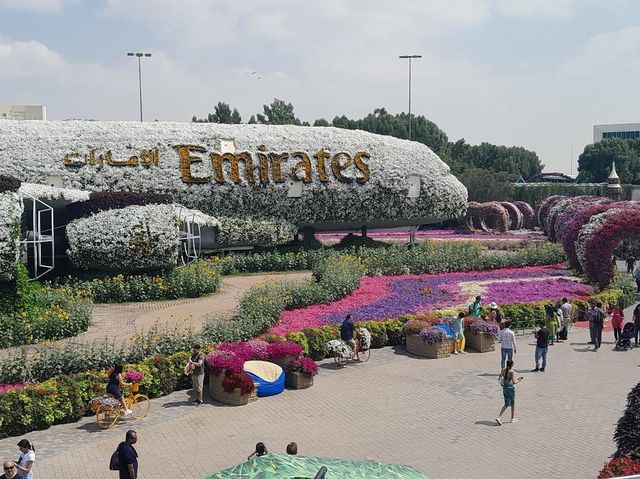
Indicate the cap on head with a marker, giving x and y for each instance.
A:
(493, 306)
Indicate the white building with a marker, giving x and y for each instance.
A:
(23, 112)
(625, 131)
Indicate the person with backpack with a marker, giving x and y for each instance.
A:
(495, 315)
(127, 462)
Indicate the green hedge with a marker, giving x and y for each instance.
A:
(189, 281)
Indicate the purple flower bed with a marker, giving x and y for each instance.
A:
(424, 293)
(432, 335)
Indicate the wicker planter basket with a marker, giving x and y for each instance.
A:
(298, 380)
(479, 341)
(218, 393)
(416, 346)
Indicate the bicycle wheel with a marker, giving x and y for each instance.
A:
(107, 417)
(364, 356)
(340, 360)
(139, 406)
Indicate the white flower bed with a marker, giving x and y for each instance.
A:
(11, 208)
(134, 238)
(35, 150)
(187, 214)
(248, 232)
(46, 192)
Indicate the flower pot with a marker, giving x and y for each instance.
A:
(479, 341)
(283, 362)
(298, 380)
(134, 388)
(217, 392)
(416, 346)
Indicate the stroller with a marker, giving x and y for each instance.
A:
(624, 341)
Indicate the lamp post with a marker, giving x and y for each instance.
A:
(410, 57)
(139, 55)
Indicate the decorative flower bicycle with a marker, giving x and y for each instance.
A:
(342, 352)
(108, 409)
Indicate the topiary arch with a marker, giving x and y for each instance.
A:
(604, 232)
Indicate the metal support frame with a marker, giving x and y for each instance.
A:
(38, 237)
(190, 239)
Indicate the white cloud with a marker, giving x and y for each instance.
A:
(537, 8)
(26, 59)
(40, 6)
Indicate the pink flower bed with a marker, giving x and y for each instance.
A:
(4, 388)
(384, 297)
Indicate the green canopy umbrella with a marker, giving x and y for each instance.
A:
(284, 466)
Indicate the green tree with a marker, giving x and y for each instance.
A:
(594, 163)
(252, 120)
(321, 122)
(222, 113)
(278, 113)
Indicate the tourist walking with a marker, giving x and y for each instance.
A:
(292, 449)
(10, 470)
(636, 275)
(495, 315)
(636, 322)
(596, 317)
(566, 308)
(26, 459)
(508, 381)
(617, 320)
(474, 308)
(631, 262)
(542, 347)
(261, 450)
(457, 333)
(507, 339)
(196, 368)
(128, 456)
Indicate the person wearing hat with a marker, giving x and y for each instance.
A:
(495, 314)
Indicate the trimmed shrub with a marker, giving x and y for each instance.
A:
(113, 200)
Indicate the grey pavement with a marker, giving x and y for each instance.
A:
(436, 415)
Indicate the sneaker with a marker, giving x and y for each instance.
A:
(128, 412)
(462, 352)
(455, 352)
(542, 369)
(198, 402)
(515, 419)
(535, 370)
(499, 421)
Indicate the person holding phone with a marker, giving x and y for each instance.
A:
(508, 381)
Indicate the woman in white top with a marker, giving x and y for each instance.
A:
(26, 460)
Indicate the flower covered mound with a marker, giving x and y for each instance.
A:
(383, 297)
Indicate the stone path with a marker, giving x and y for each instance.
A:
(117, 322)
(437, 415)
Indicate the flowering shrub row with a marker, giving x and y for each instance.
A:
(516, 219)
(251, 232)
(189, 281)
(544, 207)
(491, 216)
(528, 214)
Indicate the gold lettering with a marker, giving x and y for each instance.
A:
(100, 159)
(234, 160)
(321, 155)
(184, 152)
(276, 166)
(304, 164)
(149, 157)
(70, 159)
(338, 167)
(362, 166)
(264, 167)
(132, 161)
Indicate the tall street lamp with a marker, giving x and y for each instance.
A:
(139, 55)
(410, 57)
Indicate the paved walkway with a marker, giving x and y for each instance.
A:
(437, 415)
(117, 322)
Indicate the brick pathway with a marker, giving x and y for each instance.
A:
(436, 415)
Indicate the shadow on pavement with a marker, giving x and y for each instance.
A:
(91, 427)
(178, 404)
(487, 423)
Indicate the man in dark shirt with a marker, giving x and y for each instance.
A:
(631, 262)
(10, 470)
(128, 456)
(542, 346)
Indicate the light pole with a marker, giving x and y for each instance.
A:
(410, 57)
(139, 55)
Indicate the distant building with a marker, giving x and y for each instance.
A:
(23, 112)
(624, 131)
(549, 178)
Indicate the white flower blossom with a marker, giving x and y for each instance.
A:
(11, 208)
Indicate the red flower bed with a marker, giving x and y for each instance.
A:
(618, 467)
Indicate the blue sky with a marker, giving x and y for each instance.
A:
(535, 73)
